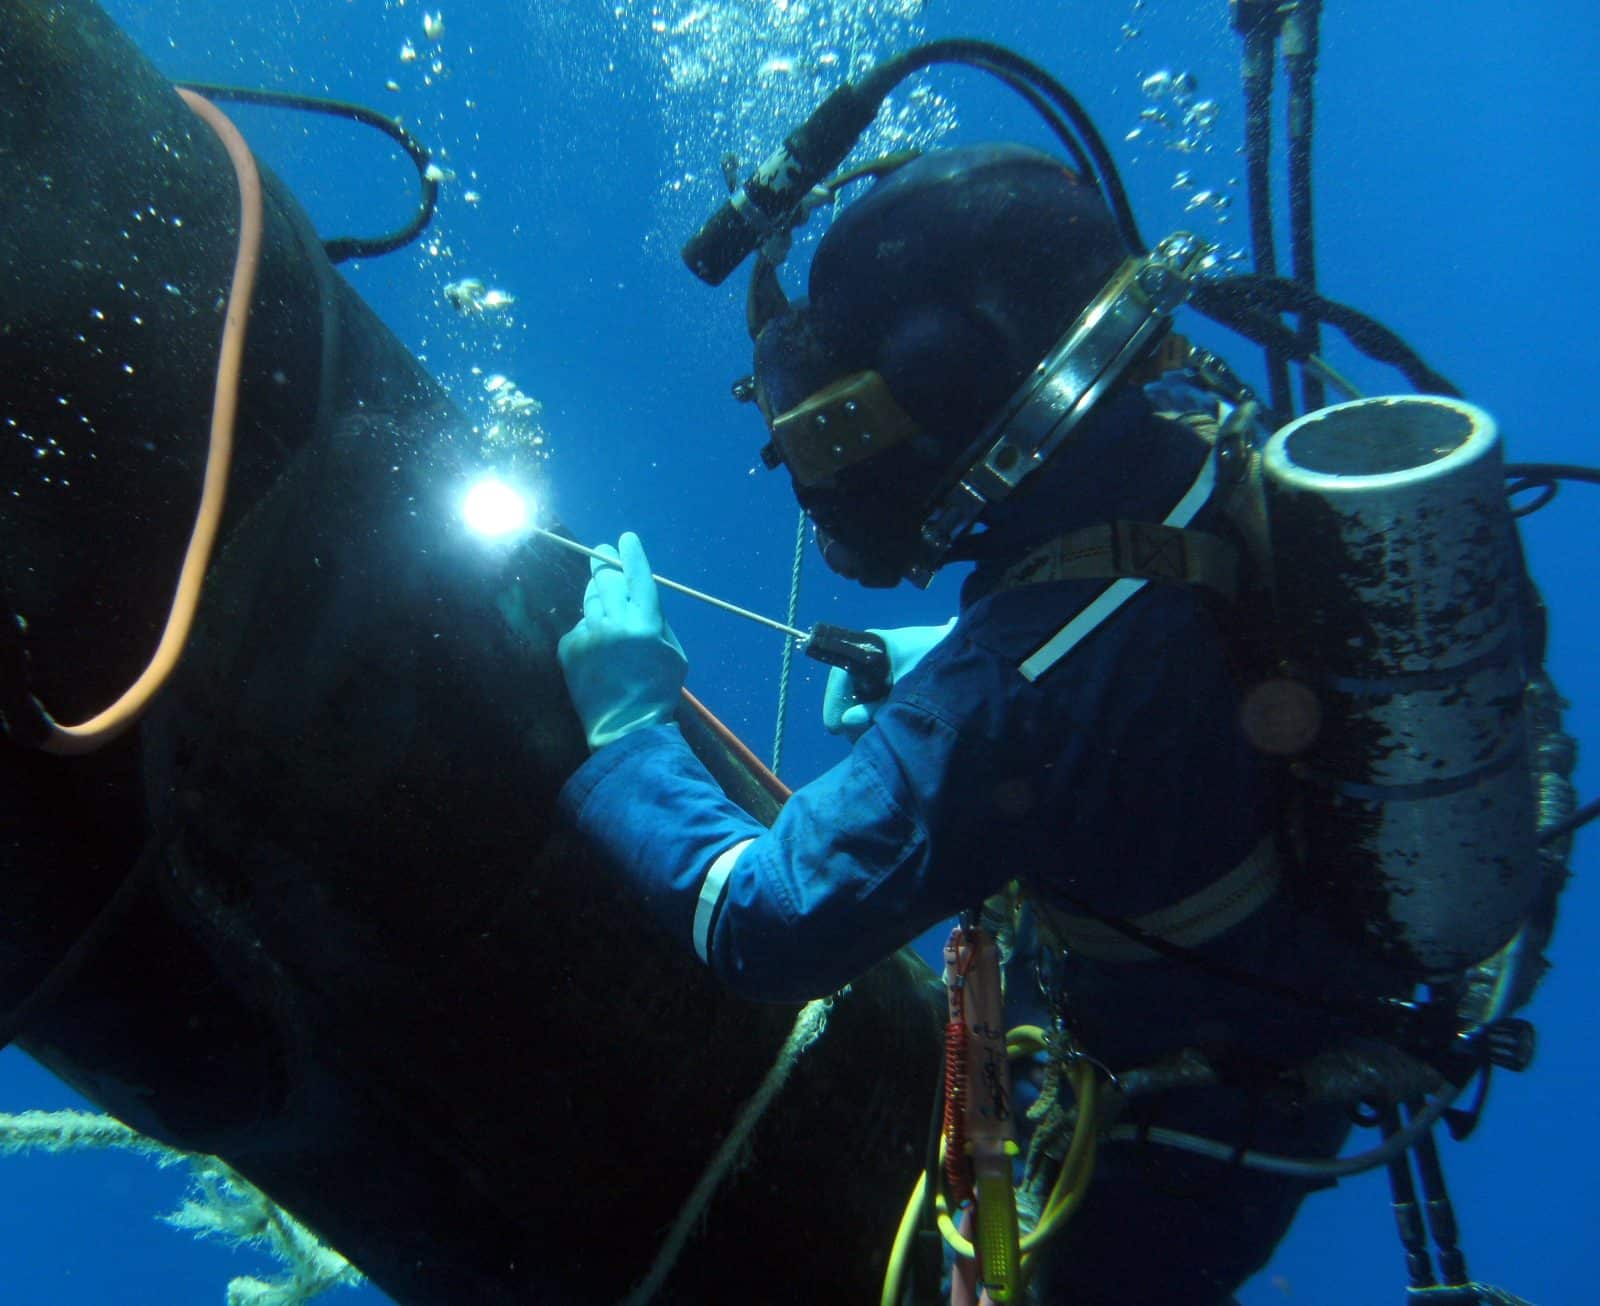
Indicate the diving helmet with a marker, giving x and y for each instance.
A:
(932, 299)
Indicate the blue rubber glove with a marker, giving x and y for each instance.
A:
(844, 711)
(624, 666)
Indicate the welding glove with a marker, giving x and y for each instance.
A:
(844, 711)
(624, 666)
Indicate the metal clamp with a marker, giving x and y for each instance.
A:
(1109, 336)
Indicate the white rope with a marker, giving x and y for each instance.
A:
(222, 1202)
(788, 644)
(808, 1028)
(72, 1131)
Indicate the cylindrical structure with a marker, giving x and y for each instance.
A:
(362, 961)
(1399, 594)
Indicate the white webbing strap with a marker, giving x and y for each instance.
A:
(1118, 592)
(1202, 916)
(711, 890)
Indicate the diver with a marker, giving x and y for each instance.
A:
(1241, 743)
(1117, 782)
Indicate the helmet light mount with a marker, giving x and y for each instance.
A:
(766, 204)
(1113, 332)
(762, 207)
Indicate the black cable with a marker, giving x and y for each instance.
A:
(1577, 820)
(996, 59)
(1258, 149)
(1227, 302)
(1105, 167)
(1258, 25)
(1063, 130)
(1248, 303)
(817, 146)
(1057, 125)
(1547, 488)
(341, 248)
(1300, 59)
(1436, 1207)
(1546, 478)
(1407, 1210)
(1539, 472)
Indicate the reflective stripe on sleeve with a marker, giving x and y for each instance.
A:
(711, 891)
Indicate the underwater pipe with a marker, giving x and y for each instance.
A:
(361, 961)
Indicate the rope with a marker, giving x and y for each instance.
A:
(222, 1201)
(808, 1028)
(788, 644)
(67, 1131)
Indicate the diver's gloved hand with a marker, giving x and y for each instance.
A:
(844, 711)
(624, 666)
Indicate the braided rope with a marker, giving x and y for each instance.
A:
(808, 1028)
(788, 644)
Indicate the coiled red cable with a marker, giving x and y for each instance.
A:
(957, 1174)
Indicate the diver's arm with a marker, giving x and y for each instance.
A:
(849, 871)
(658, 817)
(843, 877)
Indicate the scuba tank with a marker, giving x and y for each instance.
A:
(1399, 596)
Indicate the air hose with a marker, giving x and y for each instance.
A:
(38, 728)
(1249, 305)
(763, 204)
(1066, 1195)
(27, 720)
(33, 724)
(1260, 25)
(1300, 39)
(341, 248)
(1257, 23)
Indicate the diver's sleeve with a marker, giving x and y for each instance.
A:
(841, 880)
(656, 815)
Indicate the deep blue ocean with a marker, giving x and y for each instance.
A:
(1456, 156)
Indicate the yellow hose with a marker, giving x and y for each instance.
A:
(1066, 1194)
(896, 1269)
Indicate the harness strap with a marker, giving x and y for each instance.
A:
(1139, 550)
(1135, 553)
(1188, 923)
(1054, 649)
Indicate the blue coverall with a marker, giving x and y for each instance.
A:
(1119, 779)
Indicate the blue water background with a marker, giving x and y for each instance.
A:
(1456, 157)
